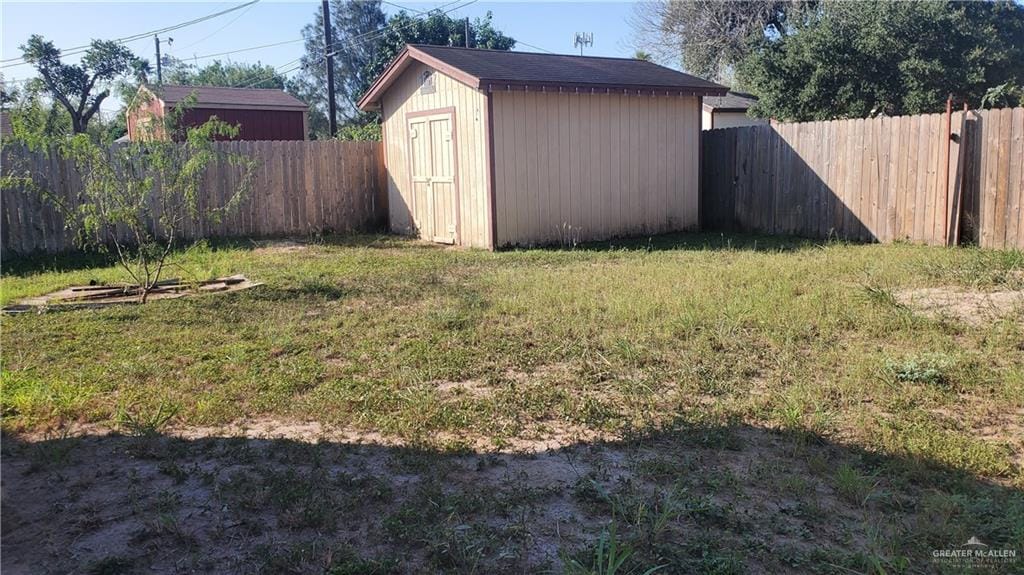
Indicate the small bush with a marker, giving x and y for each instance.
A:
(931, 368)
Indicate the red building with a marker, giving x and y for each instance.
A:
(260, 114)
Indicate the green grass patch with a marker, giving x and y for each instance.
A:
(374, 333)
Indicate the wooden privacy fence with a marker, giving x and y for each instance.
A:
(880, 179)
(299, 188)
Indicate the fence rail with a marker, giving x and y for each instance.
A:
(880, 179)
(299, 188)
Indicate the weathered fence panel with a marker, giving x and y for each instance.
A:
(880, 179)
(299, 188)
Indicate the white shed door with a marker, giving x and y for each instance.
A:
(432, 157)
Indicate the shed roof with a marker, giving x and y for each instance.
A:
(221, 97)
(498, 69)
(731, 102)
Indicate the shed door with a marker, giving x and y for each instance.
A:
(432, 155)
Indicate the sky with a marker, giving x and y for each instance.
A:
(539, 26)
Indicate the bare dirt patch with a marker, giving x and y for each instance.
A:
(470, 387)
(280, 247)
(971, 307)
(199, 502)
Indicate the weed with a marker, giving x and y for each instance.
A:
(54, 451)
(884, 297)
(147, 423)
(609, 557)
(851, 485)
(929, 368)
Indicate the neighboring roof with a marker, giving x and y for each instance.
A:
(731, 102)
(242, 98)
(487, 69)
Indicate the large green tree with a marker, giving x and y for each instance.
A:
(709, 37)
(857, 59)
(81, 88)
(231, 74)
(355, 31)
(437, 29)
(365, 44)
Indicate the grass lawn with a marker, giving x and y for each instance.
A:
(706, 403)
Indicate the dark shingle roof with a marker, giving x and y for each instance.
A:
(499, 66)
(269, 99)
(731, 101)
(497, 69)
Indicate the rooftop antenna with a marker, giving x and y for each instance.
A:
(582, 39)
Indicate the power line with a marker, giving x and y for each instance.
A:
(81, 49)
(221, 29)
(205, 56)
(367, 36)
(403, 7)
(518, 41)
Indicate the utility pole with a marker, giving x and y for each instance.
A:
(159, 64)
(159, 70)
(467, 31)
(329, 49)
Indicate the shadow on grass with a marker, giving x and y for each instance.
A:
(71, 261)
(17, 265)
(728, 499)
(701, 241)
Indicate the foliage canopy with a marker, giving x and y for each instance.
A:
(81, 88)
(858, 59)
(227, 74)
(364, 43)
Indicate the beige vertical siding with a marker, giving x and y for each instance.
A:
(404, 97)
(579, 167)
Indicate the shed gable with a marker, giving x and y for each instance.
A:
(406, 98)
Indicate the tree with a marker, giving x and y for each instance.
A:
(8, 94)
(1005, 95)
(437, 29)
(34, 120)
(229, 74)
(136, 197)
(74, 86)
(360, 132)
(860, 59)
(641, 55)
(366, 45)
(709, 37)
(355, 26)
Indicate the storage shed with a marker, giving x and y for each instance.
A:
(489, 148)
(260, 114)
(730, 111)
